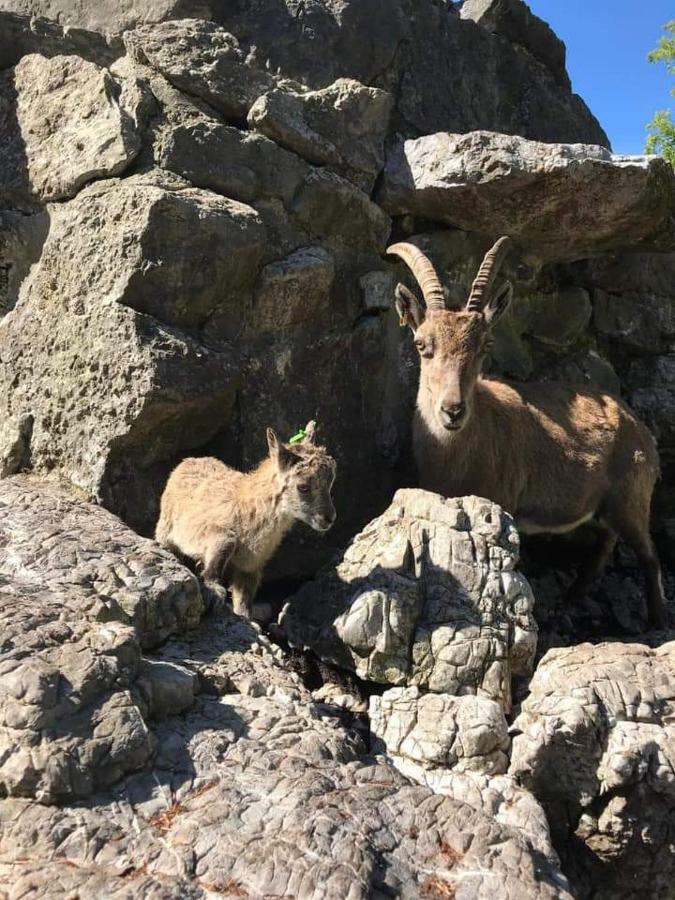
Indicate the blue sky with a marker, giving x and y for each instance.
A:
(607, 45)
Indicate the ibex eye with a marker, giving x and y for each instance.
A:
(303, 488)
(423, 348)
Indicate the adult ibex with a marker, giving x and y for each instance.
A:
(552, 455)
(232, 522)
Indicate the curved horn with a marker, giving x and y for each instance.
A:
(487, 273)
(424, 273)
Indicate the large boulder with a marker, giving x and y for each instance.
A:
(201, 59)
(54, 540)
(595, 743)
(558, 201)
(342, 126)
(426, 595)
(21, 33)
(64, 122)
(457, 746)
(109, 16)
(439, 732)
(515, 21)
(111, 389)
(80, 594)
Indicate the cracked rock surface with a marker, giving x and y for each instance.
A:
(240, 784)
(80, 594)
(426, 595)
(561, 201)
(595, 743)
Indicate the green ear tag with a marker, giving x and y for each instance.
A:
(300, 436)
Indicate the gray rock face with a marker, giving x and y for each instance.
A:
(441, 732)
(64, 123)
(79, 594)
(203, 60)
(595, 743)
(110, 15)
(514, 20)
(242, 779)
(22, 34)
(558, 201)
(53, 540)
(343, 126)
(447, 73)
(237, 761)
(427, 595)
(96, 373)
(421, 52)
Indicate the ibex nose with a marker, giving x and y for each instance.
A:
(452, 415)
(326, 520)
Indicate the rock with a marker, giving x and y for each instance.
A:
(594, 742)
(15, 435)
(328, 206)
(559, 319)
(113, 391)
(650, 385)
(440, 732)
(235, 803)
(79, 594)
(498, 796)
(64, 124)
(293, 290)
(315, 203)
(201, 59)
(557, 201)
(22, 236)
(633, 300)
(446, 73)
(635, 321)
(514, 20)
(241, 165)
(426, 596)
(377, 290)
(22, 34)
(342, 126)
(109, 15)
(166, 688)
(52, 538)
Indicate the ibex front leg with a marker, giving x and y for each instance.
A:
(218, 554)
(244, 587)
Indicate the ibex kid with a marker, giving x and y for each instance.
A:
(232, 522)
(551, 454)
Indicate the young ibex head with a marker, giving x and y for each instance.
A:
(452, 343)
(305, 473)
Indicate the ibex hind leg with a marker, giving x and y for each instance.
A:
(633, 527)
(593, 567)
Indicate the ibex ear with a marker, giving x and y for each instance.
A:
(279, 451)
(272, 442)
(310, 433)
(498, 303)
(408, 307)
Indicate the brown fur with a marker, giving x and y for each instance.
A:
(232, 522)
(552, 455)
